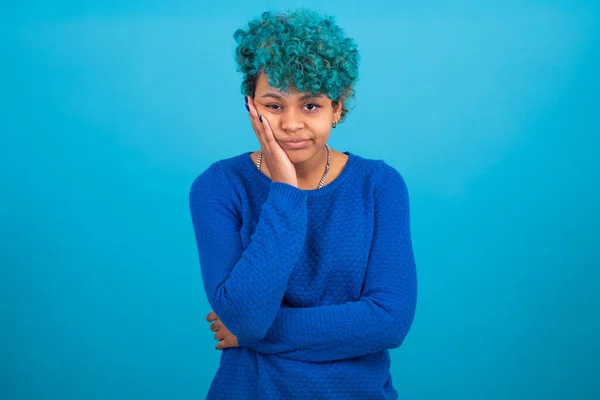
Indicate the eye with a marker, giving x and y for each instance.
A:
(312, 106)
(273, 106)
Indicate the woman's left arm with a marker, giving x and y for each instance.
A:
(382, 317)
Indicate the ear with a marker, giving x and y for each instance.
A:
(337, 112)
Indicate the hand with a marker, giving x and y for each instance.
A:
(278, 163)
(226, 339)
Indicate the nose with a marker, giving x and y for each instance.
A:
(291, 120)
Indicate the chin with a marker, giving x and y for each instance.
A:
(299, 154)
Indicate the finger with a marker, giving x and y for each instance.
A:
(253, 112)
(221, 345)
(256, 124)
(268, 131)
(252, 106)
(212, 316)
(272, 144)
(215, 326)
(219, 336)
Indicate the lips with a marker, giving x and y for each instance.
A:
(295, 143)
(294, 140)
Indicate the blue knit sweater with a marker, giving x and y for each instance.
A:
(317, 285)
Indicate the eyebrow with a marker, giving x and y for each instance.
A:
(302, 98)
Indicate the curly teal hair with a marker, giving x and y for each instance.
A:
(301, 49)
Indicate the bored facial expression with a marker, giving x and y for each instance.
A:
(295, 115)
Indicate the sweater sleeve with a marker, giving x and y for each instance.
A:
(245, 287)
(383, 315)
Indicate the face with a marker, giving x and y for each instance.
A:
(295, 115)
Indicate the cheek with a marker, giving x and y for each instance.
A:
(322, 125)
(318, 125)
(274, 119)
(269, 114)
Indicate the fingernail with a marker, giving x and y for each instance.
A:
(246, 99)
(247, 108)
(260, 118)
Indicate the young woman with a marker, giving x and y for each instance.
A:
(305, 251)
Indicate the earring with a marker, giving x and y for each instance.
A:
(334, 125)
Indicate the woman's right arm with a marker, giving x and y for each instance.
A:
(245, 287)
(382, 317)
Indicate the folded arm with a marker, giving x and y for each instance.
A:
(245, 287)
(383, 315)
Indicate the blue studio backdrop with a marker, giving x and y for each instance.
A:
(110, 109)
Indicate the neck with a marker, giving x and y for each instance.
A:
(313, 168)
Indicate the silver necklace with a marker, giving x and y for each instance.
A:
(323, 179)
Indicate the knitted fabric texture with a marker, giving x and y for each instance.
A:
(317, 285)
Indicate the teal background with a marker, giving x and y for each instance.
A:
(109, 110)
